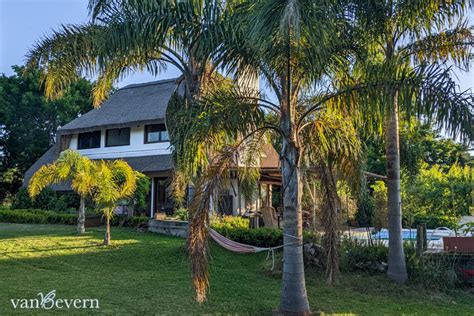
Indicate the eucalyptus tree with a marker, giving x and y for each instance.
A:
(71, 168)
(417, 37)
(113, 181)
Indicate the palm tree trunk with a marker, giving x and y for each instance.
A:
(107, 231)
(81, 218)
(294, 299)
(396, 258)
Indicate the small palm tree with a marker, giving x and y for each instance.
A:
(70, 167)
(114, 181)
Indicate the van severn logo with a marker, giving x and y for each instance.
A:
(49, 301)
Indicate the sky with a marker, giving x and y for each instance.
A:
(22, 22)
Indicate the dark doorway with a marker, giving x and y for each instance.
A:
(163, 202)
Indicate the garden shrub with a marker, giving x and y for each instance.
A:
(227, 222)
(259, 237)
(357, 255)
(436, 271)
(48, 200)
(34, 216)
(141, 192)
(182, 214)
(22, 200)
(237, 229)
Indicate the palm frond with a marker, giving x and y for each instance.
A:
(43, 177)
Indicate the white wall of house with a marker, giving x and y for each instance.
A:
(136, 148)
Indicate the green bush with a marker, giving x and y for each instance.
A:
(22, 200)
(436, 271)
(228, 222)
(141, 192)
(182, 214)
(48, 200)
(259, 237)
(237, 229)
(357, 255)
(34, 216)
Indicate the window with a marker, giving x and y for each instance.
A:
(117, 137)
(156, 133)
(89, 140)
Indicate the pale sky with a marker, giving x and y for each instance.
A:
(22, 22)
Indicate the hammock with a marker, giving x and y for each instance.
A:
(233, 245)
(243, 248)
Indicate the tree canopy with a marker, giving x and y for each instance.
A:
(29, 122)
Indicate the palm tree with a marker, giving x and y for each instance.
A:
(69, 167)
(414, 36)
(333, 153)
(127, 36)
(292, 44)
(114, 181)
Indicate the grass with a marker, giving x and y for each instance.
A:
(145, 273)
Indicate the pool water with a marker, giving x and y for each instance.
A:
(407, 234)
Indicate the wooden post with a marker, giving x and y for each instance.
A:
(425, 237)
(420, 240)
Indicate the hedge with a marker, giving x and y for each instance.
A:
(261, 237)
(34, 216)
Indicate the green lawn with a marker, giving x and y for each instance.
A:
(144, 273)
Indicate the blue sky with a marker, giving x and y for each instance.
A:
(22, 22)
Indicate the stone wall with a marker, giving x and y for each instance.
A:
(171, 228)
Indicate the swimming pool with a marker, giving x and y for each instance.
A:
(407, 234)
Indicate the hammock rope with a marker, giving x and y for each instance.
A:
(243, 248)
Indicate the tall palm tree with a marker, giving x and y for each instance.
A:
(292, 44)
(114, 181)
(69, 167)
(414, 36)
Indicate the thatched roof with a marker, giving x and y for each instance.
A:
(145, 164)
(142, 103)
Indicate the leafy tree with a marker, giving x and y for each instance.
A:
(69, 167)
(29, 122)
(419, 144)
(439, 192)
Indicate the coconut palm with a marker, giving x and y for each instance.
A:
(418, 37)
(114, 181)
(71, 168)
